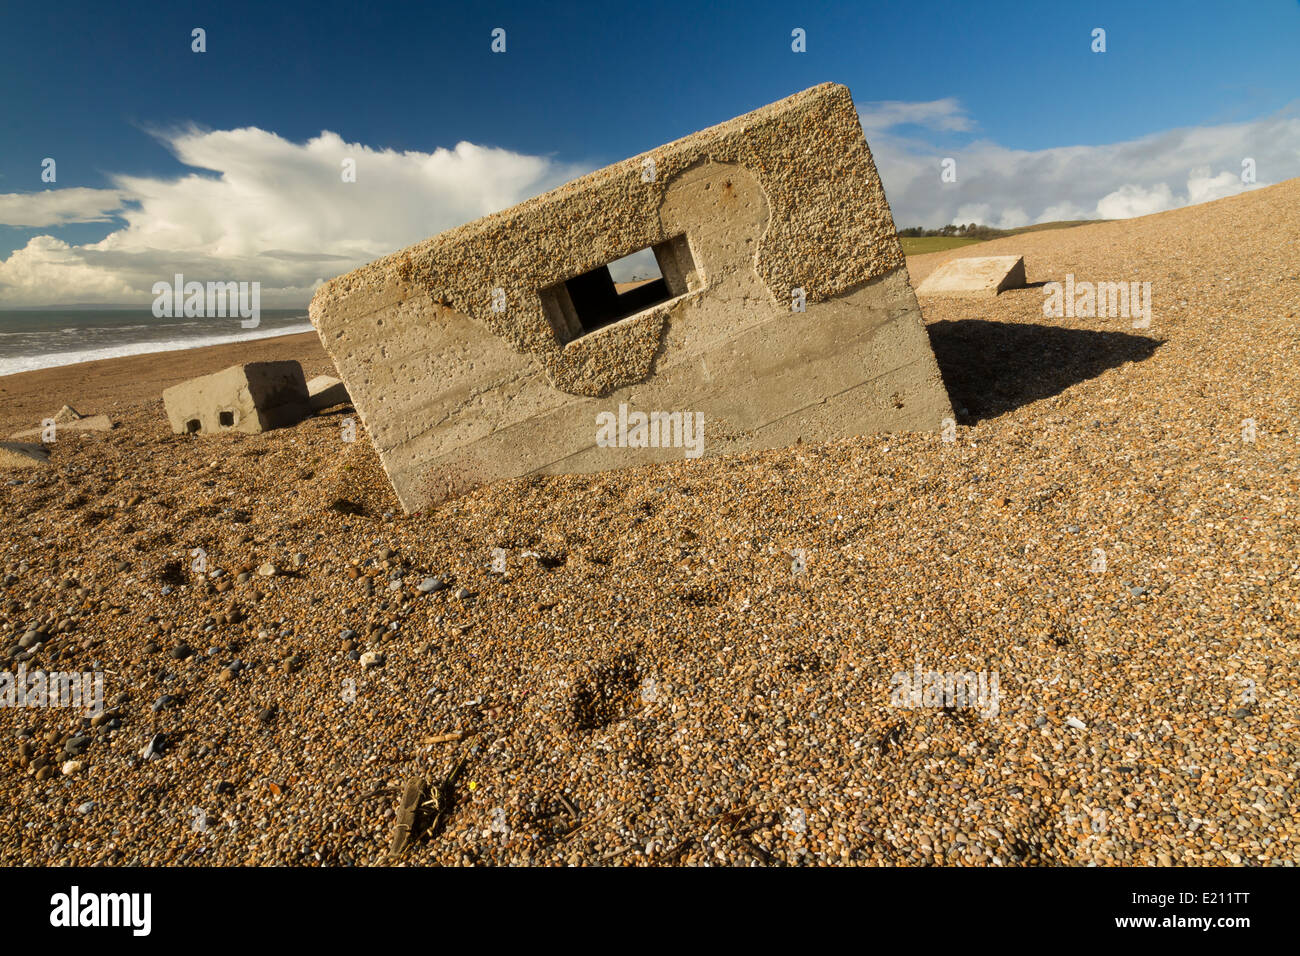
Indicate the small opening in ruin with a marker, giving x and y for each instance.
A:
(624, 287)
(226, 419)
(192, 426)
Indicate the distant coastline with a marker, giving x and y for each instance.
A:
(33, 339)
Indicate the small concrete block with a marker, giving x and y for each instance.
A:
(248, 398)
(22, 455)
(82, 423)
(975, 276)
(326, 392)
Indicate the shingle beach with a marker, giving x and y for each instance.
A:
(696, 663)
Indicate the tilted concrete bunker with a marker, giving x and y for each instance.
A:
(784, 312)
(247, 398)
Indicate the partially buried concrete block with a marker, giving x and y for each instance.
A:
(782, 312)
(326, 392)
(975, 276)
(68, 423)
(243, 398)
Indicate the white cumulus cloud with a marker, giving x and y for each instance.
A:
(58, 207)
(1004, 187)
(261, 208)
(944, 114)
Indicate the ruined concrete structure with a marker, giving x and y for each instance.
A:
(783, 312)
(975, 276)
(243, 398)
(68, 419)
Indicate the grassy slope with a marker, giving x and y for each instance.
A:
(917, 245)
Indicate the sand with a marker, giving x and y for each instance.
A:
(700, 663)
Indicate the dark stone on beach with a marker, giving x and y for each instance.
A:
(181, 651)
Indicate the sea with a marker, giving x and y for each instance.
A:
(46, 338)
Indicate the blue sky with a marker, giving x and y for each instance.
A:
(107, 89)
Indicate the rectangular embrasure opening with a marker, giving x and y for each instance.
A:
(619, 289)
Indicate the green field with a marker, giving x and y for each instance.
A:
(918, 245)
(915, 245)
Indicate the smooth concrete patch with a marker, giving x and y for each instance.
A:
(243, 398)
(783, 313)
(22, 455)
(326, 391)
(975, 276)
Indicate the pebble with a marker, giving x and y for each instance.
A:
(431, 585)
